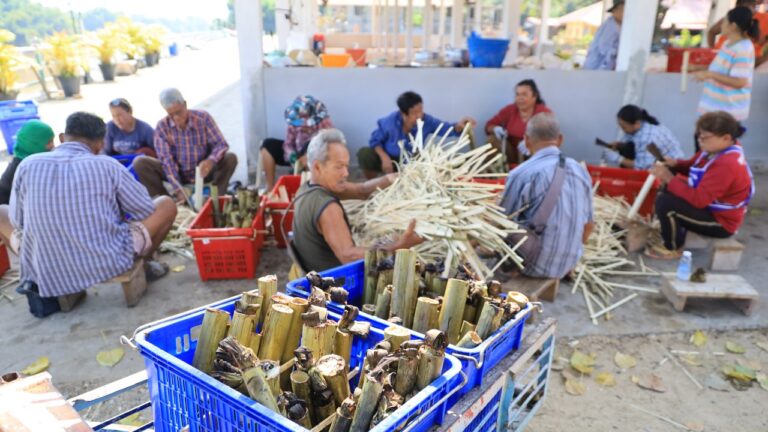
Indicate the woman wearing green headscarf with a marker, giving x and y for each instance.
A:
(34, 137)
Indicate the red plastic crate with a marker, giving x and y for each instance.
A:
(600, 172)
(5, 262)
(282, 218)
(629, 190)
(698, 56)
(226, 253)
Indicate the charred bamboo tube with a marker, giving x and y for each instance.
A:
(267, 288)
(243, 327)
(324, 406)
(271, 370)
(469, 340)
(247, 300)
(402, 280)
(383, 302)
(299, 306)
(343, 420)
(342, 344)
(334, 370)
(366, 405)
(430, 366)
(371, 276)
(300, 386)
(275, 332)
(258, 388)
(453, 308)
(214, 329)
(427, 313)
(487, 316)
(407, 370)
(396, 335)
(466, 328)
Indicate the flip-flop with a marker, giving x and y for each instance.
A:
(155, 270)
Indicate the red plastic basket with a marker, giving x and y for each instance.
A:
(698, 56)
(5, 262)
(282, 218)
(600, 172)
(226, 253)
(628, 189)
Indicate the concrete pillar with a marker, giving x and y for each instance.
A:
(409, 32)
(375, 24)
(457, 30)
(636, 32)
(309, 17)
(546, 7)
(478, 12)
(385, 28)
(511, 26)
(441, 26)
(427, 25)
(249, 26)
(718, 10)
(396, 32)
(282, 25)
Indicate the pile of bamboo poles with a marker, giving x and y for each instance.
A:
(605, 258)
(177, 241)
(238, 212)
(452, 212)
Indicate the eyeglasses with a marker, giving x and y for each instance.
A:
(120, 102)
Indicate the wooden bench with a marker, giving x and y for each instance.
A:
(134, 283)
(726, 253)
(534, 288)
(717, 286)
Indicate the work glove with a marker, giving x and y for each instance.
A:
(499, 132)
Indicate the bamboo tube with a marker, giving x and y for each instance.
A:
(275, 332)
(299, 306)
(366, 405)
(214, 194)
(470, 340)
(430, 366)
(214, 329)
(427, 312)
(371, 276)
(255, 343)
(438, 285)
(370, 309)
(300, 386)
(324, 406)
(396, 335)
(383, 302)
(466, 328)
(407, 370)
(517, 297)
(258, 388)
(343, 420)
(334, 370)
(243, 327)
(384, 280)
(250, 300)
(342, 344)
(487, 316)
(267, 288)
(319, 339)
(402, 281)
(470, 312)
(271, 370)
(453, 308)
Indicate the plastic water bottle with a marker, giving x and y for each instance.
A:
(684, 267)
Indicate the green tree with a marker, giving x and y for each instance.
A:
(267, 15)
(30, 20)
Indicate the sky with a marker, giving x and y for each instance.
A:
(208, 9)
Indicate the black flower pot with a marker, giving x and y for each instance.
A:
(107, 71)
(10, 95)
(150, 59)
(70, 85)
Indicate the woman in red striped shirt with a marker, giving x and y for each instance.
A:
(707, 194)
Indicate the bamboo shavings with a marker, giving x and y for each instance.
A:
(177, 241)
(435, 188)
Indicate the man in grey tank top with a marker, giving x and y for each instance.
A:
(322, 236)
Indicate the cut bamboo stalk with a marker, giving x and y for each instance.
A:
(453, 308)
(258, 388)
(243, 327)
(315, 338)
(249, 300)
(470, 312)
(334, 369)
(594, 315)
(324, 407)
(371, 276)
(469, 340)
(213, 330)
(383, 302)
(427, 313)
(396, 335)
(343, 420)
(271, 370)
(430, 366)
(466, 327)
(485, 324)
(370, 309)
(384, 280)
(300, 386)
(366, 405)
(255, 343)
(298, 306)
(342, 344)
(407, 371)
(275, 332)
(402, 281)
(267, 288)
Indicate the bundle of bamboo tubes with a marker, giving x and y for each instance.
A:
(452, 213)
(238, 211)
(605, 258)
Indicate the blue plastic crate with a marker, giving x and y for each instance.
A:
(183, 396)
(474, 361)
(15, 109)
(10, 127)
(488, 53)
(127, 161)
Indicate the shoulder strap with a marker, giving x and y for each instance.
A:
(539, 220)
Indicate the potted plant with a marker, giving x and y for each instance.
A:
(108, 42)
(68, 60)
(134, 34)
(153, 43)
(10, 60)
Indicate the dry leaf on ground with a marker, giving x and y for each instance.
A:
(690, 359)
(178, 268)
(575, 387)
(694, 426)
(762, 379)
(752, 364)
(39, 365)
(582, 362)
(132, 420)
(624, 361)
(605, 379)
(651, 382)
(699, 338)
(739, 373)
(111, 357)
(734, 347)
(716, 382)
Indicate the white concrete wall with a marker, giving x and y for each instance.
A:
(585, 102)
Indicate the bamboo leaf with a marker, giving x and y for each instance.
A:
(690, 359)
(575, 387)
(605, 379)
(582, 362)
(111, 357)
(699, 338)
(734, 347)
(739, 373)
(624, 361)
(39, 365)
(651, 382)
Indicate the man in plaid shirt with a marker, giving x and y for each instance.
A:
(66, 218)
(184, 140)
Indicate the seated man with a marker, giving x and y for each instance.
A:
(323, 238)
(184, 140)
(66, 219)
(570, 221)
(384, 145)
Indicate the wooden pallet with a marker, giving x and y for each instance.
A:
(718, 286)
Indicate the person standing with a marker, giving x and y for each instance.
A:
(604, 48)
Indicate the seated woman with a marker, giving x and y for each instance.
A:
(305, 117)
(322, 235)
(712, 200)
(507, 127)
(127, 135)
(641, 129)
(34, 137)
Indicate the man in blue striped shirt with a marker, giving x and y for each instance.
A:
(66, 219)
(570, 222)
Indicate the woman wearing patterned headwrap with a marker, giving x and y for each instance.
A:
(305, 117)
(34, 137)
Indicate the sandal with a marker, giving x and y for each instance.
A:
(155, 270)
(660, 252)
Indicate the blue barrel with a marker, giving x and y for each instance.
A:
(486, 52)
(173, 49)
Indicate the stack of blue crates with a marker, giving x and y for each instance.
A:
(13, 115)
